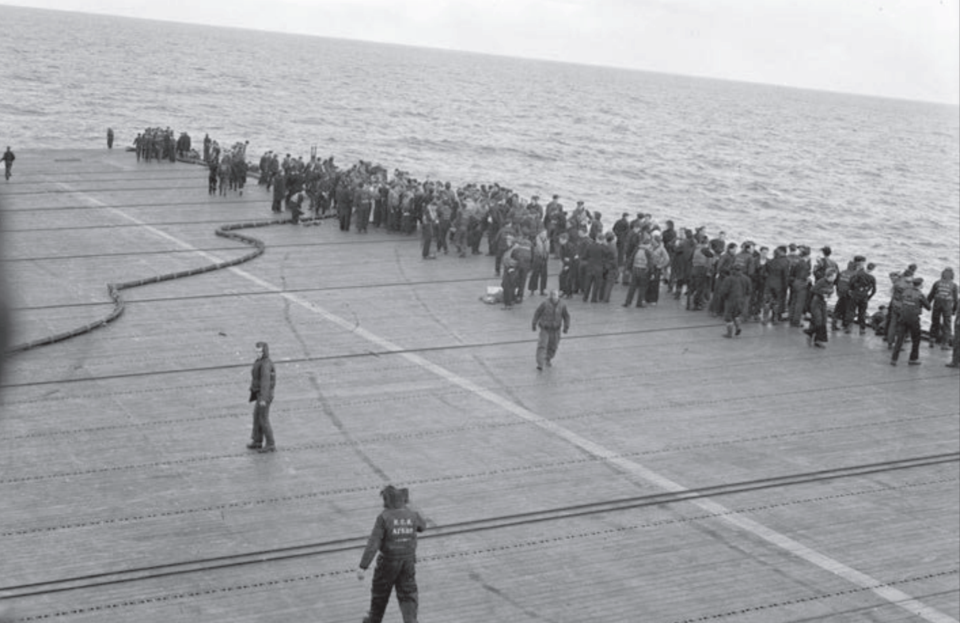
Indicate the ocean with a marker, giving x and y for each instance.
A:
(865, 175)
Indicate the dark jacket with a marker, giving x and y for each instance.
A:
(553, 316)
(263, 377)
(394, 533)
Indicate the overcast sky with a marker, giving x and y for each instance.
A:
(895, 48)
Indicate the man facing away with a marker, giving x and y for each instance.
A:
(394, 536)
(912, 304)
(551, 317)
(262, 382)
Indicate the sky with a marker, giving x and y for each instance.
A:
(907, 49)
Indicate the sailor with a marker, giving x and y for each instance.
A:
(394, 537)
(821, 291)
(863, 285)
(912, 304)
(551, 317)
(732, 295)
(943, 296)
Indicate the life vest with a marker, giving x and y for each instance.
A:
(945, 291)
(910, 305)
(843, 282)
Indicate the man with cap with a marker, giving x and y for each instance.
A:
(843, 310)
(863, 285)
(551, 220)
(821, 291)
(620, 229)
(732, 296)
(799, 285)
(912, 304)
(944, 297)
(824, 263)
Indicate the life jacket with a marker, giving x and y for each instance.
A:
(843, 282)
(945, 291)
(824, 265)
(700, 259)
(745, 261)
(910, 305)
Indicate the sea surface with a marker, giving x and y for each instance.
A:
(869, 176)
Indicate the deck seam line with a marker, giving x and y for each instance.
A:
(892, 595)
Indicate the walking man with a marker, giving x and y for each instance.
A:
(8, 159)
(263, 380)
(551, 316)
(394, 536)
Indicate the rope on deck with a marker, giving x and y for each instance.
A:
(114, 289)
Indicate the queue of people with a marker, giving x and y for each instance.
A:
(738, 282)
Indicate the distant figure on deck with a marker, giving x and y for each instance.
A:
(912, 304)
(263, 380)
(732, 296)
(109, 138)
(944, 298)
(394, 536)
(8, 159)
(821, 291)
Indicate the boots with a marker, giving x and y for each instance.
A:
(729, 332)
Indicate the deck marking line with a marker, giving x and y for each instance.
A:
(888, 593)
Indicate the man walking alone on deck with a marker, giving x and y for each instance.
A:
(394, 535)
(551, 316)
(262, 382)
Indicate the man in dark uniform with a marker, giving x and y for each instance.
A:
(109, 138)
(394, 536)
(912, 304)
(262, 382)
(551, 316)
(569, 264)
(863, 285)
(732, 296)
(621, 229)
(775, 285)
(279, 192)
(593, 259)
(821, 291)
(799, 285)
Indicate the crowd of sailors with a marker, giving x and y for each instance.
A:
(158, 144)
(738, 281)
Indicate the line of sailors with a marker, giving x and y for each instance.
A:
(737, 282)
(158, 144)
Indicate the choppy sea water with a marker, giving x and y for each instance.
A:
(865, 175)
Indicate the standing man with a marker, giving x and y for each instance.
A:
(912, 304)
(863, 286)
(551, 316)
(109, 138)
(8, 159)
(943, 296)
(821, 291)
(733, 293)
(394, 536)
(263, 380)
